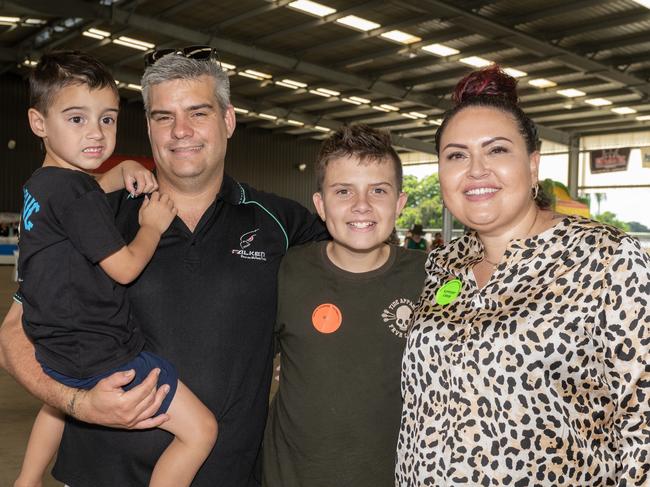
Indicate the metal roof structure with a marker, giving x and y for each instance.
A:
(305, 67)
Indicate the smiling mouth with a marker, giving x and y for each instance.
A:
(480, 191)
(362, 225)
(193, 148)
(92, 150)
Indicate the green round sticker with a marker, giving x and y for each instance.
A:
(448, 292)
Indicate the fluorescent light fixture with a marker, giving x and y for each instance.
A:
(134, 87)
(267, 116)
(319, 93)
(542, 83)
(598, 102)
(228, 66)
(571, 93)
(98, 32)
(440, 50)
(515, 73)
(10, 20)
(286, 85)
(295, 123)
(401, 37)
(356, 100)
(36, 21)
(297, 84)
(243, 111)
(437, 121)
(137, 42)
(645, 3)
(312, 8)
(643, 118)
(379, 108)
(258, 74)
(117, 82)
(418, 114)
(390, 108)
(30, 63)
(322, 129)
(477, 62)
(328, 92)
(358, 23)
(94, 36)
(408, 115)
(624, 110)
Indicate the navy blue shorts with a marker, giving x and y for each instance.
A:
(143, 363)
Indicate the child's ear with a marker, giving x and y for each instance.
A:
(319, 204)
(37, 122)
(401, 202)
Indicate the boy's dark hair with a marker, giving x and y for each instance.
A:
(362, 141)
(59, 69)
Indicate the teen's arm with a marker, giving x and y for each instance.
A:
(128, 174)
(156, 214)
(106, 404)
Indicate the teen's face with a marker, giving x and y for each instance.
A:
(359, 202)
(188, 130)
(79, 128)
(485, 171)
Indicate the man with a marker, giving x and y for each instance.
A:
(207, 300)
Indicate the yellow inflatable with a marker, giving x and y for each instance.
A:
(566, 205)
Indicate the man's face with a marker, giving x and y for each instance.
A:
(188, 130)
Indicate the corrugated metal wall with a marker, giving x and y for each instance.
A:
(265, 160)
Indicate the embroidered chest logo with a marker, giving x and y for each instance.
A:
(30, 206)
(245, 242)
(398, 316)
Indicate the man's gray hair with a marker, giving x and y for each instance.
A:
(175, 66)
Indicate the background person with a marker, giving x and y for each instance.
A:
(415, 238)
(528, 357)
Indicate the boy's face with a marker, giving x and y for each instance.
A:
(79, 128)
(359, 202)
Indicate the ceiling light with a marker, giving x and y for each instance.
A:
(390, 108)
(356, 100)
(133, 43)
(295, 123)
(267, 116)
(440, 50)
(36, 21)
(624, 110)
(418, 114)
(477, 62)
(243, 111)
(227, 66)
(329, 92)
(297, 84)
(379, 108)
(322, 129)
(598, 102)
(258, 74)
(98, 32)
(358, 23)
(542, 83)
(437, 121)
(117, 82)
(9, 20)
(408, 115)
(401, 37)
(571, 93)
(94, 36)
(350, 100)
(134, 87)
(319, 93)
(645, 3)
(643, 118)
(286, 85)
(30, 63)
(312, 8)
(515, 73)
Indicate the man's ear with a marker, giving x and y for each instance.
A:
(230, 119)
(37, 122)
(319, 204)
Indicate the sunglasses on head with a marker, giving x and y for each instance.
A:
(202, 53)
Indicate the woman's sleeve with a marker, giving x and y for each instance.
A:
(624, 322)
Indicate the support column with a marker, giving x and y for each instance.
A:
(574, 165)
(447, 224)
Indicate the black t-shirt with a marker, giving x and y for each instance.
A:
(206, 302)
(77, 316)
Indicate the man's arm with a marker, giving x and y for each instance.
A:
(106, 404)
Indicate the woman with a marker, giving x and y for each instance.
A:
(528, 359)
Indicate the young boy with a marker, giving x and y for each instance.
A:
(73, 265)
(343, 312)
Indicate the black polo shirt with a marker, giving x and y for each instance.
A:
(207, 303)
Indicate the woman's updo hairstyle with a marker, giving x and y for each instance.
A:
(491, 87)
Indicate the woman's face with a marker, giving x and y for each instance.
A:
(486, 174)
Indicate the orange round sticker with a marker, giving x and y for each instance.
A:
(326, 318)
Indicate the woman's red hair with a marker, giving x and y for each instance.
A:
(490, 81)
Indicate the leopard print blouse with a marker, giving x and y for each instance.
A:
(540, 378)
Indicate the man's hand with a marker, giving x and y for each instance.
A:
(109, 405)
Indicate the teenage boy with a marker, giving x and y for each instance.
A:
(74, 264)
(343, 313)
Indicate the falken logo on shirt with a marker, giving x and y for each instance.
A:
(398, 316)
(245, 241)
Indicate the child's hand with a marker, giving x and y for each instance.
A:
(137, 178)
(157, 211)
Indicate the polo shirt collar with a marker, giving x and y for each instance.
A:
(231, 191)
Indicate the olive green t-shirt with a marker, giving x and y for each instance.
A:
(335, 417)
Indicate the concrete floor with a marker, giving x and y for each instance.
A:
(17, 408)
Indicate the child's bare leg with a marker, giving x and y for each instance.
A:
(43, 443)
(195, 429)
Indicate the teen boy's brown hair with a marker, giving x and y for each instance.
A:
(362, 141)
(59, 69)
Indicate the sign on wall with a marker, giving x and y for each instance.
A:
(645, 157)
(609, 160)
